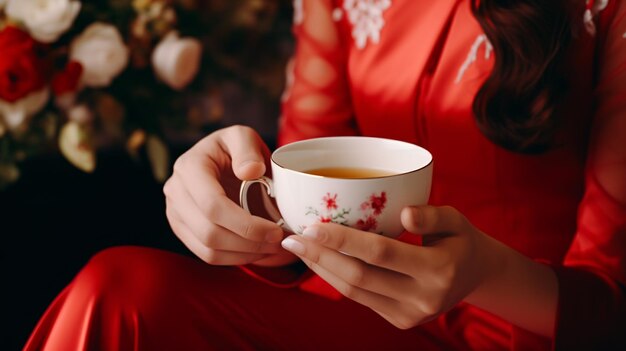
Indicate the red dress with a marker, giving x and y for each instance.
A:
(407, 70)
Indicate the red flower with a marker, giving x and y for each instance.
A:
(330, 201)
(325, 220)
(67, 80)
(22, 70)
(378, 202)
(369, 223)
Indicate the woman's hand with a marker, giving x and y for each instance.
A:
(406, 284)
(199, 201)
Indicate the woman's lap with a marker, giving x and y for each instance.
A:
(131, 298)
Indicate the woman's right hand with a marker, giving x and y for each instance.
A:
(200, 206)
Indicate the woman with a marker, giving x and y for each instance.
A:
(523, 105)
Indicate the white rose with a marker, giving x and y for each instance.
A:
(17, 113)
(45, 20)
(176, 61)
(101, 51)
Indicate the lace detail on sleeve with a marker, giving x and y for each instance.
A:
(366, 17)
(316, 101)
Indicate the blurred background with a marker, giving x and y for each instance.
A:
(95, 106)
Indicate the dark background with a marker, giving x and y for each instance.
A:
(56, 217)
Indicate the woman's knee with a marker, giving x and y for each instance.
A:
(125, 273)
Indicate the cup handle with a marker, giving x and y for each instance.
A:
(269, 186)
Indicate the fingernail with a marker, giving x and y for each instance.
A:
(314, 233)
(250, 168)
(246, 163)
(294, 246)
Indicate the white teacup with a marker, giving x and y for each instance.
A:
(390, 175)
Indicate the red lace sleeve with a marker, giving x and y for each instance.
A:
(592, 280)
(316, 101)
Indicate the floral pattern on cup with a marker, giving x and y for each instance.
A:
(371, 209)
(331, 212)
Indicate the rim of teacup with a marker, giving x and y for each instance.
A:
(321, 139)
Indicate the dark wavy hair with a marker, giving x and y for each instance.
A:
(515, 108)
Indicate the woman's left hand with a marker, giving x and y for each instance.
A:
(406, 284)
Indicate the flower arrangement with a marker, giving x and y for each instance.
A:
(79, 76)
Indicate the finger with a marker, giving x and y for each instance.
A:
(221, 239)
(247, 151)
(390, 319)
(216, 207)
(227, 214)
(378, 303)
(198, 176)
(433, 220)
(214, 236)
(386, 307)
(369, 247)
(349, 269)
(210, 234)
(208, 255)
(201, 165)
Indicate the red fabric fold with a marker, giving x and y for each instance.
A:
(279, 277)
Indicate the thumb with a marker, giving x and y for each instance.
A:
(427, 220)
(248, 167)
(247, 152)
